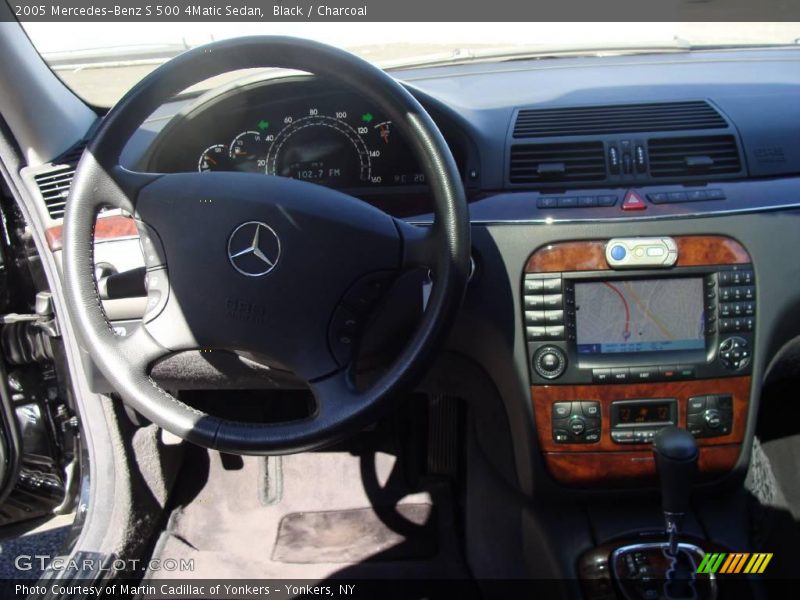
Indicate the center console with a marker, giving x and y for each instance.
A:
(630, 335)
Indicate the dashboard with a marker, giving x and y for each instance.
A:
(609, 299)
(300, 129)
(558, 159)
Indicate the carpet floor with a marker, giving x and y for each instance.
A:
(315, 515)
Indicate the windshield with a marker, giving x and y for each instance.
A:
(102, 61)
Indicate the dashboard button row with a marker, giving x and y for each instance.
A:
(728, 278)
(542, 285)
(737, 309)
(737, 294)
(545, 332)
(637, 436)
(685, 196)
(544, 317)
(737, 324)
(576, 201)
(543, 301)
(562, 410)
(698, 404)
(643, 374)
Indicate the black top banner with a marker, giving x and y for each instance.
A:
(400, 10)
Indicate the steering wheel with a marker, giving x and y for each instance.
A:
(259, 264)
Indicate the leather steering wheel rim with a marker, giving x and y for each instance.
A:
(100, 181)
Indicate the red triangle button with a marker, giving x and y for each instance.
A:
(633, 201)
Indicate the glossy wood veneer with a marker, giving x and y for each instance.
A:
(107, 228)
(601, 469)
(693, 250)
(607, 462)
(544, 396)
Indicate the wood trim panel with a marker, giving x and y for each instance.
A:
(106, 228)
(590, 469)
(607, 462)
(544, 396)
(693, 250)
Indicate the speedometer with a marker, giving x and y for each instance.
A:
(320, 149)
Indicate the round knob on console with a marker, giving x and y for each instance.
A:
(549, 362)
(712, 418)
(577, 425)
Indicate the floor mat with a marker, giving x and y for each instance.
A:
(355, 502)
(343, 536)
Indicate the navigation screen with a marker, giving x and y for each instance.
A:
(643, 315)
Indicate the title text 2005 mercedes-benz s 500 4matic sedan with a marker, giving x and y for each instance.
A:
(521, 321)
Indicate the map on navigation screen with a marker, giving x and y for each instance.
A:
(645, 315)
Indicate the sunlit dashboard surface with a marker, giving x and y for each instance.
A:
(296, 129)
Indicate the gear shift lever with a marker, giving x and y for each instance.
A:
(676, 454)
(639, 568)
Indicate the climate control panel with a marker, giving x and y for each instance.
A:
(576, 422)
(709, 416)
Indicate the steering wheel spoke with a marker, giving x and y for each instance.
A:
(130, 184)
(419, 245)
(114, 187)
(334, 397)
(140, 348)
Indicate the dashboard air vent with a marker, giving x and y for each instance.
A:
(55, 182)
(694, 156)
(629, 118)
(54, 186)
(550, 163)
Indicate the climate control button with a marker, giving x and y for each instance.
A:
(712, 418)
(577, 425)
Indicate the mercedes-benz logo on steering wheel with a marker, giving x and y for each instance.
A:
(254, 249)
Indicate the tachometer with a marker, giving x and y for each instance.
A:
(214, 158)
(248, 152)
(320, 149)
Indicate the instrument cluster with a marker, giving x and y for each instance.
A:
(295, 130)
